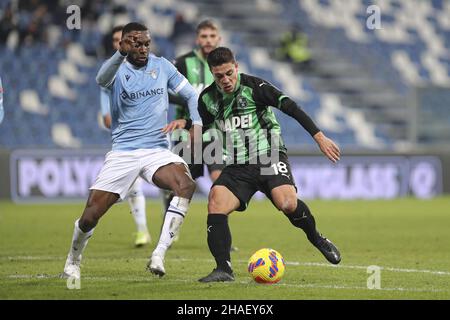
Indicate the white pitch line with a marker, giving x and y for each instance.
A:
(291, 263)
(318, 264)
(291, 285)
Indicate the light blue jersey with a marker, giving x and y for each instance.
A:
(2, 112)
(105, 96)
(140, 101)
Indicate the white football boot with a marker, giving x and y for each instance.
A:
(72, 268)
(156, 265)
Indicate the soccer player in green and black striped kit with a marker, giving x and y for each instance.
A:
(237, 108)
(194, 67)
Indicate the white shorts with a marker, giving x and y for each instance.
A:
(122, 168)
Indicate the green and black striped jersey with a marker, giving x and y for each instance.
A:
(244, 118)
(195, 68)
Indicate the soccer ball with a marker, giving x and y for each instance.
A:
(266, 266)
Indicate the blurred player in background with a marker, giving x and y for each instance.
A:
(2, 112)
(238, 101)
(135, 195)
(140, 147)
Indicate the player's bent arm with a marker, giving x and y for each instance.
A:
(290, 108)
(108, 70)
(105, 107)
(174, 99)
(107, 121)
(190, 95)
(326, 145)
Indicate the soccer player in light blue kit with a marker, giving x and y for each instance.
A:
(1, 101)
(135, 196)
(139, 104)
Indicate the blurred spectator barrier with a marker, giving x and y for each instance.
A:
(66, 175)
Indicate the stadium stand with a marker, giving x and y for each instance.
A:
(360, 90)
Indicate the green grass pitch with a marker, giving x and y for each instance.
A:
(409, 239)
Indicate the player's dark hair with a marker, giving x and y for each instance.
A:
(207, 24)
(116, 29)
(133, 26)
(220, 56)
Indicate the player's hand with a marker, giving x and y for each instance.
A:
(127, 43)
(328, 147)
(107, 121)
(176, 124)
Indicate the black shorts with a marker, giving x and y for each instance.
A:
(197, 170)
(244, 180)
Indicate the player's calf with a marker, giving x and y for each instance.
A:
(98, 203)
(302, 218)
(185, 188)
(173, 221)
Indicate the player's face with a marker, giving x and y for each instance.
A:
(116, 40)
(226, 76)
(207, 39)
(140, 47)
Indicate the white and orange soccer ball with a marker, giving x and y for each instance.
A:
(266, 266)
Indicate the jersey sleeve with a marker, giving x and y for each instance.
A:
(207, 118)
(181, 107)
(267, 94)
(107, 73)
(180, 85)
(105, 104)
(176, 81)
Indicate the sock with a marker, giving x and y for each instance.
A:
(172, 224)
(303, 219)
(79, 241)
(219, 240)
(137, 206)
(167, 198)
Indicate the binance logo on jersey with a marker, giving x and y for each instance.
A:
(141, 94)
(243, 122)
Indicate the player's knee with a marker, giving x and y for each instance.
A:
(214, 206)
(214, 175)
(288, 205)
(214, 202)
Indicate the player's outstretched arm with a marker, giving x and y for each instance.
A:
(328, 147)
(190, 95)
(108, 70)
